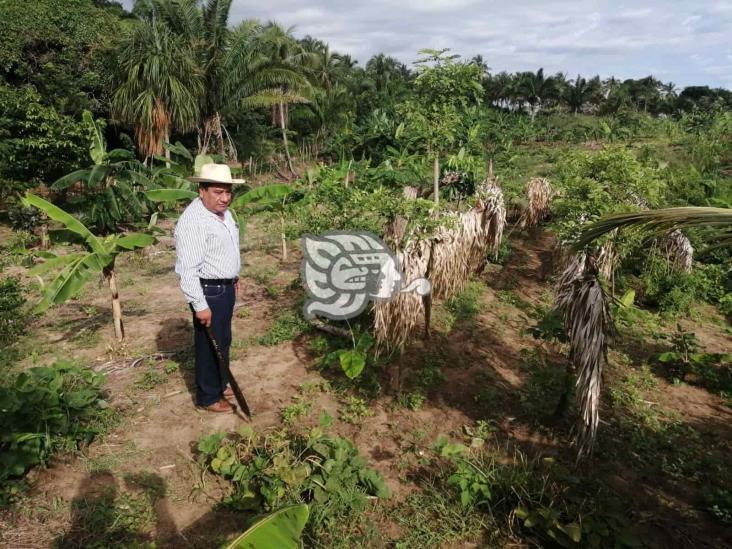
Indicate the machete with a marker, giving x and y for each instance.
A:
(224, 368)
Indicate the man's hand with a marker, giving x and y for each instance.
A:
(204, 317)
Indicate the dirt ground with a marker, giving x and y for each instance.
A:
(152, 447)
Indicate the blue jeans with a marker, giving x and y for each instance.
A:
(210, 379)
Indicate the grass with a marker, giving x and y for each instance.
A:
(466, 305)
(286, 327)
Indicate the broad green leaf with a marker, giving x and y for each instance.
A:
(69, 179)
(573, 530)
(266, 194)
(201, 159)
(68, 220)
(97, 149)
(352, 362)
(169, 195)
(628, 298)
(135, 240)
(54, 262)
(281, 529)
(71, 279)
(670, 356)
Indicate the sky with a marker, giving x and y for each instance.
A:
(685, 42)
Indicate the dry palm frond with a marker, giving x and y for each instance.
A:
(151, 135)
(661, 221)
(607, 260)
(395, 320)
(448, 259)
(584, 306)
(540, 194)
(678, 249)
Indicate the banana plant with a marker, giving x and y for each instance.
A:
(110, 188)
(281, 528)
(76, 268)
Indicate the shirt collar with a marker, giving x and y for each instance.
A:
(205, 210)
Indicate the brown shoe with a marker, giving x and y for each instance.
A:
(220, 407)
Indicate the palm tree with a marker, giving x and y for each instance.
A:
(235, 68)
(719, 220)
(535, 89)
(159, 86)
(581, 91)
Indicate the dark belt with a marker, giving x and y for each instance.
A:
(217, 281)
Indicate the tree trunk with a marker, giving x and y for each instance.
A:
(111, 276)
(436, 179)
(284, 240)
(284, 139)
(167, 150)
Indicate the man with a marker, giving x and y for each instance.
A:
(207, 264)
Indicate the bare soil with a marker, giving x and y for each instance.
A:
(152, 450)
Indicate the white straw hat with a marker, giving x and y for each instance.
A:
(216, 173)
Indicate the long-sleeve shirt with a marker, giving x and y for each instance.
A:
(206, 247)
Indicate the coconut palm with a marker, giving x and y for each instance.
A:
(581, 91)
(159, 86)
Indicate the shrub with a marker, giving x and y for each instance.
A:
(13, 319)
(47, 410)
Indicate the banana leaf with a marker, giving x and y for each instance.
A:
(68, 220)
(69, 179)
(266, 195)
(281, 529)
(169, 195)
(71, 279)
(98, 147)
(133, 241)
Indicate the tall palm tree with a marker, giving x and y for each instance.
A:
(158, 85)
(581, 91)
(233, 65)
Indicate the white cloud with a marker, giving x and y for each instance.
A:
(675, 39)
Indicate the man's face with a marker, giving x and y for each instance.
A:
(216, 197)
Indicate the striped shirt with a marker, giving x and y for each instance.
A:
(206, 247)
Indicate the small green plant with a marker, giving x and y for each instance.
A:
(413, 401)
(352, 360)
(285, 467)
(355, 409)
(466, 304)
(720, 504)
(150, 379)
(298, 408)
(47, 410)
(711, 369)
(13, 318)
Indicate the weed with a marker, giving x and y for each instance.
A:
(268, 471)
(262, 274)
(413, 401)
(48, 410)
(285, 328)
(243, 312)
(297, 409)
(509, 297)
(150, 379)
(170, 367)
(355, 410)
(466, 304)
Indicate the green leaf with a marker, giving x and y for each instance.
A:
(573, 530)
(281, 529)
(352, 362)
(69, 221)
(670, 356)
(201, 159)
(97, 149)
(169, 195)
(135, 240)
(69, 179)
(266, 195)
(628, 298)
